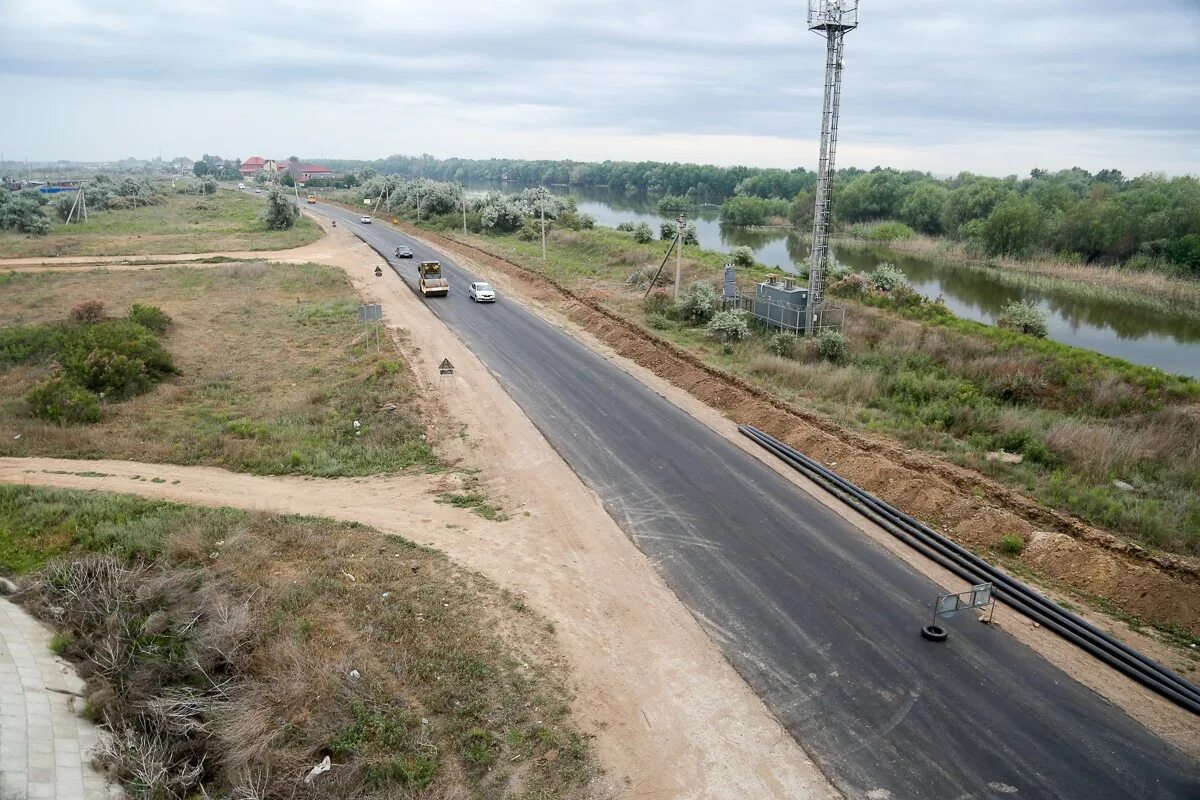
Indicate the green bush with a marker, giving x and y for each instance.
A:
(642, 233)
(890, 231)
(280, 213)
(120, 336)
(832, 347)
(661, 322)
(743, 256)
(658, 303)
(852, 285)
(113, 375)
(673, 205)
(698, 304)
(151, 317)
(782, 344)
(729, 326)
(1024, 317)
(626, 227)
(1012, 544)
(887, 277)
(61, 400)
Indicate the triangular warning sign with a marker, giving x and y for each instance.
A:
(446, 368)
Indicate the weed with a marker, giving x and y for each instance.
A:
(476, 501)
(1012, 544)
(60, 641)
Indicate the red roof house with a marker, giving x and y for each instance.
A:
(252, 165)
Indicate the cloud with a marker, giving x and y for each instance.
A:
(931, 85)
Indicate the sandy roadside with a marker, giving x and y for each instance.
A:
(671, 718)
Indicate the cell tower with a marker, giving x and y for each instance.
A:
(832, 19)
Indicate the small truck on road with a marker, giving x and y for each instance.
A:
(431, 281)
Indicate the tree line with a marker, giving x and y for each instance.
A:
(1102, 217)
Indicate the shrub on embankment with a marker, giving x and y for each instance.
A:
(231, 653)
(89, 360)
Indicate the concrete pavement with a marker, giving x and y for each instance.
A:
(45, 746)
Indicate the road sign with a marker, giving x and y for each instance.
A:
(445, 368)
(370, 313)
(947, 605)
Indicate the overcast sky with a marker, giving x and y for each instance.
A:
(991, 86)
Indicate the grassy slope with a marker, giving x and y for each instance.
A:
(269, 381)
(182, 224)
(461, 690)
(955, 387)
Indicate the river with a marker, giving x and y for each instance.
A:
(1168, 341)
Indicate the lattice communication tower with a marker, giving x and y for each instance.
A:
(832, 19)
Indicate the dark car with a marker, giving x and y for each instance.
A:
(403, 252)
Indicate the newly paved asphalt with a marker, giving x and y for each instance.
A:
(821, 621)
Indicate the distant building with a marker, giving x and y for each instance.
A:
(252, 165)
(300, 172)
(304, 172)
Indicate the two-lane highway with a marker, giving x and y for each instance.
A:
(818, 618)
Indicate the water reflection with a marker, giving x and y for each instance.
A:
(1168, 341)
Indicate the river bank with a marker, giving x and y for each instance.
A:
(1150, 289)
(1143, 317)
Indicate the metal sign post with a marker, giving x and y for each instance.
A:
(949, 604)
(371, 316)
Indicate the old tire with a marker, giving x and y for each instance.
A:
(934, 633)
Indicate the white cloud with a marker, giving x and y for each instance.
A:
(991, 87)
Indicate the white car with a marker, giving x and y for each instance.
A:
(365, 219)
(481, 292)
(258, 191)
(241, 186)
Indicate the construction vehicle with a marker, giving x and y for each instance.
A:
(312, 198)
(431, 281)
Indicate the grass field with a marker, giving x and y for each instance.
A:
(269, 380)
(183, 223)
(418, 678)
(1078, 420)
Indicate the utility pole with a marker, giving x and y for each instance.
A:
(542, 206)
(464, 205)
(678, 253)
(832, 19)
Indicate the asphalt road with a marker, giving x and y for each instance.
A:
(820, 620)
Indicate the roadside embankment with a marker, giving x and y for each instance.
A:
(978, 511)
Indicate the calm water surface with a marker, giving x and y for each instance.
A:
(1168, 341)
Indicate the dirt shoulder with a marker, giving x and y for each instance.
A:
(971, 508)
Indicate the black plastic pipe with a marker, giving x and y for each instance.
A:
(972, 568)
(1023, 592)
(945, 557)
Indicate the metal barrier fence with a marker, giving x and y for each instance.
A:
(784, 316)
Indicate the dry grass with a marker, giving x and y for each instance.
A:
(182, 223)
(269, 381)
(255, 645)
(844, 384)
